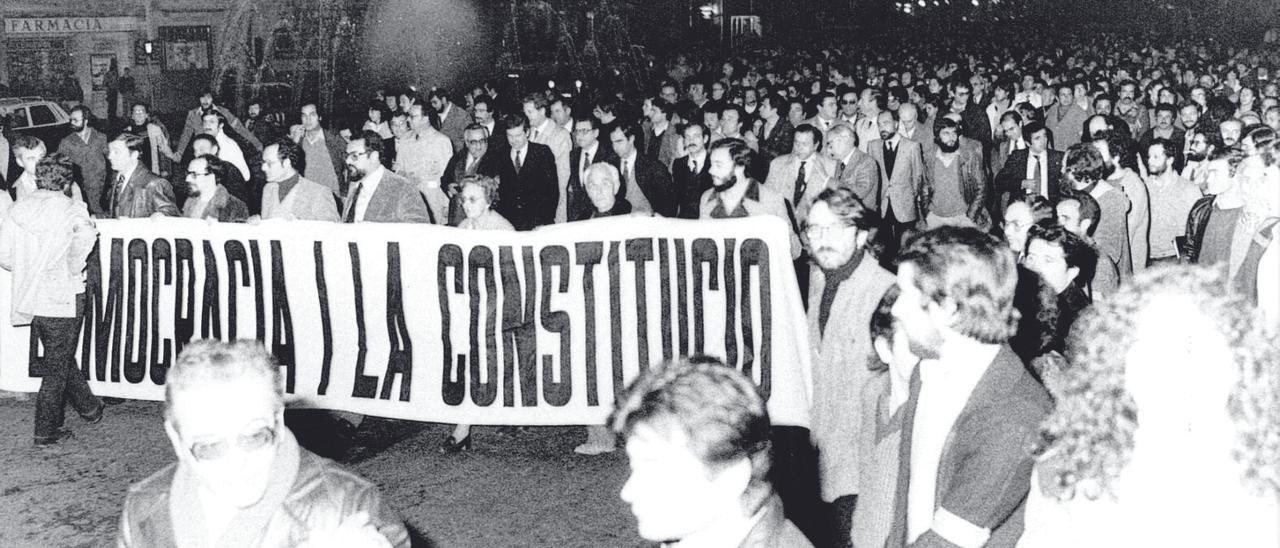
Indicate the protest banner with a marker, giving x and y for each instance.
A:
(441, 324)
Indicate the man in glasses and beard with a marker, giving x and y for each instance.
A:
(241, 478)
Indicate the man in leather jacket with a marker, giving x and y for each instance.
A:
(241, 479)
(135, 191)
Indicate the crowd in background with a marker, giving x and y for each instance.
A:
(995, 237)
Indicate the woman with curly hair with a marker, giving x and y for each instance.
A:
(1167, 425)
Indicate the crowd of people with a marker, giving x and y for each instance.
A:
(1008, 251)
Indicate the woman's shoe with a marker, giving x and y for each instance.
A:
(455, 446)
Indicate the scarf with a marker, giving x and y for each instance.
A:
(247, 526)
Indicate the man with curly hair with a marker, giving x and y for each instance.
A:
(974, 409)
(1166, 431)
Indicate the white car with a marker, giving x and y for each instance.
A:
(36, 116)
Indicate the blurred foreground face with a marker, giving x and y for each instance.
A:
(671, 492)
(229, 447)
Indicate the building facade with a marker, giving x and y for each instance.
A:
(63, 49)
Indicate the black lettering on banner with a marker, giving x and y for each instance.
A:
(451, 392)
(210, 311)
(589, 255)
(664, 280)
(259, 311)
(326, 323)
(400, 359)
(484, 393)
(364, 386)
(519, 340)
(136, 309)
(640, 252)
(755, 253)
(730, 306)
(237, 275)
(682, 298)
(161, 347)
(615, 315)
(184, 301)
(282, 343)
(556, 393)
(103, 313)
(704, 251)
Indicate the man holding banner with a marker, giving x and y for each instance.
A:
(45, 242)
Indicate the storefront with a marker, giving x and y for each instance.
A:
(63, 49)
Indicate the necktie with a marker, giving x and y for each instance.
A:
(626, 173)
(519, 160)
(800, 185)
(115, 193)
(586, 162)
(535, 136)
(693, 167)
(1035, 173)
(355, 199)
(840, 171)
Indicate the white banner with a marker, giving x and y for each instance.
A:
(440, 324)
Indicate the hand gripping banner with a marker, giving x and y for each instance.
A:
(440, 324)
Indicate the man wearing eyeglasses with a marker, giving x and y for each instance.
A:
(378, 195)
(241, 478)
(474, 159)
(844, 292)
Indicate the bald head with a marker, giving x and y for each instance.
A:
(908, 113)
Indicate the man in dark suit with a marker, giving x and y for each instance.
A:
(483, 112)
(690, 174)
(476, 159)
(135, 191)
(378, 195)
(529, 190)
(964, 470)
(645, 183)
(587, 150)
(1033, 170)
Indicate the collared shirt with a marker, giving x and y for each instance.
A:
(696, 163)
(541, 132)
(1038, 169)
(587, 157)
(749, 191)
(368, 186)
(522, 154)
(946, 384)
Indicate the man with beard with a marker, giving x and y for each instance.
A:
(1115, 147)
(1189, 121)
(973, 409)
(734, 195)
(1230, 131)
(1130, 110)
(378, 195)
(844, 292)
(87, 149)
(901, 163)
(207, 197)
(1171, 199)
(453, 118)
(957, 189)
(1202, 146)
(195, 123)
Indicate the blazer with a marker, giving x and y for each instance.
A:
(783, 172)
(689, 186)
(662, 148)
(1010, 177)
(1066, 124)
(454, 124)
(143, 194)
(578, 203)
(861, 175)
(904, 185)
(91, 159)
(396, 200)
(456, 170)
(223, 207)
(777, 142)
(306, 201)
(984, 473)
(528, 197)
(560, 142)
(652, 181)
